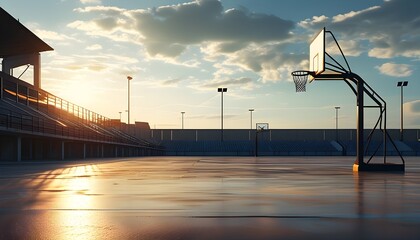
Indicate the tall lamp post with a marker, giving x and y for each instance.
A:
(251, 110)
(336, 123)
(222, 90)
(120, 119)
(128, 111)
(402, 85)
(182, 114)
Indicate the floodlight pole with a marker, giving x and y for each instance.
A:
(402, 85)
(222, 90)
(128, 111)
(336, 123)
(402, 114)
(182, 114)
(120, 119)
(251, 110)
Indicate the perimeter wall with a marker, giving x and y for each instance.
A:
(278, 142)
(159, 135)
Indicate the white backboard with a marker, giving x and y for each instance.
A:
(317, 54)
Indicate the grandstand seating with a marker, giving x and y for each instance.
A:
(35, 112)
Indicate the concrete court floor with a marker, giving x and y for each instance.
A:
(208, 198)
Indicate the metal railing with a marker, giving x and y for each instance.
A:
(25, 93)
(46, 113)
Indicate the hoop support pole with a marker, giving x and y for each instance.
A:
(360, 122)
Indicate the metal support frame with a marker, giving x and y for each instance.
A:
(360, 123)
(361, 89)
(338, 72)
(34, 59)
(1, 88)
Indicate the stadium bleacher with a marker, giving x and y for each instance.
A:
(28, 112)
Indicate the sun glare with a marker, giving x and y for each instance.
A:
(78, 92)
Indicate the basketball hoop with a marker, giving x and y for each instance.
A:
(300, 78)
(261, 127)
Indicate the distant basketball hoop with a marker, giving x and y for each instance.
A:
(261, 127)
(300, 78)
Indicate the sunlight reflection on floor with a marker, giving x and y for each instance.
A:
(204, 198)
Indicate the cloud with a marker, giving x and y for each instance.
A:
(90, 1)
(352, 14)
(225, 116)
(169, 29)
(350, 48)
(390, 30)
(167, 32)
(98, 63)
(413, 106)
(412, 112)
(113, 23)
(107, 10)
(99, 28)
(395, 70)
(94, 47)
(241, 40)
(50, 35)
(315, 23)
(271, 61)
(168, 83)
(171, 81)
(229, 82)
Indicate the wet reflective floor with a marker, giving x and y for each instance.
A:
(208, 198)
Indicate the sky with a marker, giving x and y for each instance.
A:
(179, 52)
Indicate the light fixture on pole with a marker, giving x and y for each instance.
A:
(336, 123)
(128, 111)
(251, 110)
(182, 114)
(401, 85)
(222, 90)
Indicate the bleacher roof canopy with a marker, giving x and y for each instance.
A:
(16, 39)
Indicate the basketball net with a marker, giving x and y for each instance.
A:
(300, 78)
